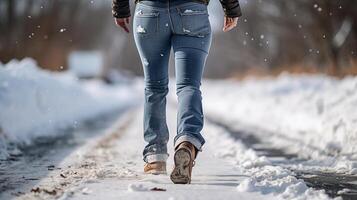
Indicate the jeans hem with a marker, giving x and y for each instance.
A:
(156, 158)
(187, 138)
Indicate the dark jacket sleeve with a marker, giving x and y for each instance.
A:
(121, 8)
(231, 8)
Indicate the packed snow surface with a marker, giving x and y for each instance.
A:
(35, 102)
(314, 116)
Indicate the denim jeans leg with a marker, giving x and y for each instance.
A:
(156, 133)
(189, 68)
(191, 45)
(186, 27)
(152, 39)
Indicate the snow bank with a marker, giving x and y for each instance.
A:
(314, 116)
(35, 102)
(263, 178)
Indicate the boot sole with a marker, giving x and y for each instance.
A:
(181, 172)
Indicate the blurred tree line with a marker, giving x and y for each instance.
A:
(300, 36)
(49, 30)
(272, 36)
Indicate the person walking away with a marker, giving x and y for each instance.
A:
(182, 25)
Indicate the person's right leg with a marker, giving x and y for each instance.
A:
(152, 38)
(191, 43)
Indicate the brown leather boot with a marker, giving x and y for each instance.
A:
(155, 168)
(184, 157)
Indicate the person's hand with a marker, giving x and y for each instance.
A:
(123, 23)
(229, 23)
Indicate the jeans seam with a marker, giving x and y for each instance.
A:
(169, 14)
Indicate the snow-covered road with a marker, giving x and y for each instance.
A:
(214, 177)
(109, 166)
(282, 137)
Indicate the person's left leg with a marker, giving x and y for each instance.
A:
(153, 40)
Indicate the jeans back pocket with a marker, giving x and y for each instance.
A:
(195, 20)
(146, 20)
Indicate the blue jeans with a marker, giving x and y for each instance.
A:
(184, 26)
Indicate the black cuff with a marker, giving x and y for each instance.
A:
(233, 12)
(121, 9)
(116, 15)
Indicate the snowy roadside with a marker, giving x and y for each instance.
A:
(313, 116)
(110, 167)
(263, 176)
(37, 103)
